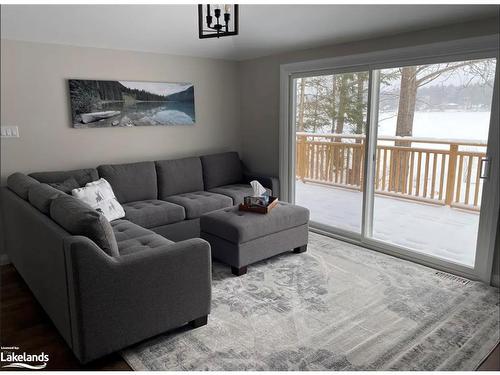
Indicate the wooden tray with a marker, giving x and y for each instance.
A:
(273, 202)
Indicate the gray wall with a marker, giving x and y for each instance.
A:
(495, 274)
(34, 97)
(260, 91)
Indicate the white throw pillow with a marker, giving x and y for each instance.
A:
(99, 195)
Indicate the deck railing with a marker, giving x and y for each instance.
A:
(424, 169)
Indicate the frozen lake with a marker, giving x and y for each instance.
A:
(445, 125)
(457, 125)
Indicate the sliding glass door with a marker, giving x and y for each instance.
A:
(396, 157)
(330, 123)
(432, 134)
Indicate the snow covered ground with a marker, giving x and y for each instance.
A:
(440, 231)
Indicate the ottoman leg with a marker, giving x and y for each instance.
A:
(239, 271)
(199, 322)
(300, 249)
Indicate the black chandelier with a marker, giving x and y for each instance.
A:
(222, 21)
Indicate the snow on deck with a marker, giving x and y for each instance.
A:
(440, 231)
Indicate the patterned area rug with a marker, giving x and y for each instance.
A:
(335, 307)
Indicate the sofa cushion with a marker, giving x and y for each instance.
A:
(66, 186)
(238, 227)
(42, 195)
(179, 176)
(153, 213)
(100, 196)
(132, 238)
(237, 191)
(199, 202)
(82, 176)
(221, 169)
(78, 218)
(20, 184)
(131, 182)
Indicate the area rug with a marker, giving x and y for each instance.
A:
(335, 307)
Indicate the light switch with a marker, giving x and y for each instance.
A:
(9, 131)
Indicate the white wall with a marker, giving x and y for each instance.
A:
(34, 97)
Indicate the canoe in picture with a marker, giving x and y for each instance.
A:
(102, 104)
(96, 116)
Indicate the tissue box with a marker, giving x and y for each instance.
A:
(271, 203)
(256, 201)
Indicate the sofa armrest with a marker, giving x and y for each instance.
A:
(115, 302)
(266, 181)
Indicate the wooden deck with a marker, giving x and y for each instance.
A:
(440, 171)
(436, 230)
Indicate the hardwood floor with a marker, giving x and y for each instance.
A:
(492, 363)
(23, 323)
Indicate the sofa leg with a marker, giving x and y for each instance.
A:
(239, 271)
(300, 249)
(199, 322)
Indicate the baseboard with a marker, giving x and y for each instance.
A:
(495, 280)
(4, 259)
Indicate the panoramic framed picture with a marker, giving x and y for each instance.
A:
(100, 104)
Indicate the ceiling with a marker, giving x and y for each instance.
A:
(264, 29)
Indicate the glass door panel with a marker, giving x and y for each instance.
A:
(330, 123)
(433, 123)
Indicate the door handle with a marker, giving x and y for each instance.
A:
(484, 168)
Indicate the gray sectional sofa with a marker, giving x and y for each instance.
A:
(107, 285)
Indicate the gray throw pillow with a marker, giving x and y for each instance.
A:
(78, 218)
(66, 186)
(41, 196)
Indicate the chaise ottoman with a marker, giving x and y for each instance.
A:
(241, 238)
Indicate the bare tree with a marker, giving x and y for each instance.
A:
(343, 103)
(413, 77)
(300, 122)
